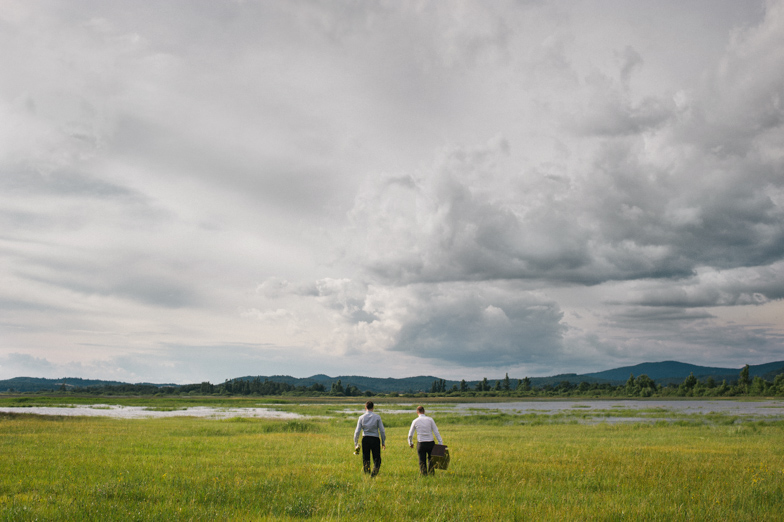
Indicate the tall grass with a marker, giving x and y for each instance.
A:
(249, 469)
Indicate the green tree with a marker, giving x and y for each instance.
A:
(463, 386)
(778, 384)
(439, 386)
(687, 386)
(645, 386)
(506, 383)
(630, 388)
(758, 386)
(643, 381)
(744, 380)
(337, 388)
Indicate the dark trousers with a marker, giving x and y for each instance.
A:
(425, 449)
(371, 445)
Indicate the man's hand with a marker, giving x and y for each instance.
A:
(411, 445)
(383, 446)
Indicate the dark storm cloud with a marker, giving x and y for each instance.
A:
(624, 220)
(746, 286)
(720, 214)
(645, 317)
(655, 201)
(484, 335)
(451, 227)
(470, 325)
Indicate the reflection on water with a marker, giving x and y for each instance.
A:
(583, 411)
(634, 410)
(761, 407)
(140, 412)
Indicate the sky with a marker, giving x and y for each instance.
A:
(198, 190)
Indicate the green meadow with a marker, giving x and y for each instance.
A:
(503, 467)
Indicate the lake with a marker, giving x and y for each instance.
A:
(584, 411)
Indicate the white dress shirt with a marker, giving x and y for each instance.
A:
(425, 428)
(371, 426)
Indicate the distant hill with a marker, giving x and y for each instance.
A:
(375, 384)
(33, 384)
(767, 371)
(662, 372)
(665, 372)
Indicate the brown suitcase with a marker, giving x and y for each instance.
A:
(439, 457)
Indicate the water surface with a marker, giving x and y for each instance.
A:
(141, 412)
(590, 411)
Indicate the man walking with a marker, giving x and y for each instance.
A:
(426, 429)
(373, 439)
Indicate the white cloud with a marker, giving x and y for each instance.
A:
(526, 185)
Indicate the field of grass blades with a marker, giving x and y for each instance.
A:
(77, 468)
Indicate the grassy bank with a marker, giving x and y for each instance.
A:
(248, 469)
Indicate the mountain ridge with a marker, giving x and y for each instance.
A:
(664, 372)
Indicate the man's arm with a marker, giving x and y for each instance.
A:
(356, 431)
(382, 433)
(411, 433)
(435, 431)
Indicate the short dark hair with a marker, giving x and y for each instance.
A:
(369, 405)
(420, 409)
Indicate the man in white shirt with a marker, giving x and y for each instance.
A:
(426, 430)
(373, 438)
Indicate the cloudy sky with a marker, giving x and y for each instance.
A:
(198, 190)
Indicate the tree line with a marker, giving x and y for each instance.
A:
(229, 387)
(640, 386)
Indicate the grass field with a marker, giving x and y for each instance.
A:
(503, 468)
